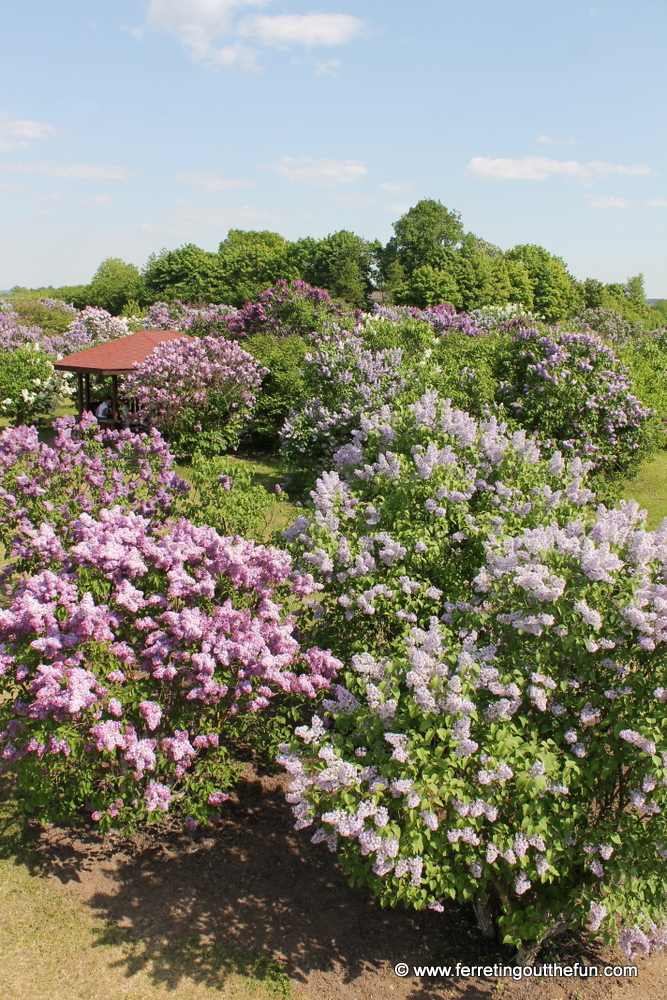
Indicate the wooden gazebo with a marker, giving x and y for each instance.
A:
(117, 357)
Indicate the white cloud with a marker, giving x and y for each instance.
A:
(201, 26)
(71, 171)
(327, 68)
(207, 180)
(609, 201)
(137, 33)
(399, 187)
(302, 29)
(398, 207)
(323, 173)
(198, 24)
(98, 200)
(16, 133)
(539, 168)
(547, 140)
(656, 203)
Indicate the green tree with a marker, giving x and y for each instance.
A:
(429, 286)
(114, 284)
(555, 295)
(189, 274)
(249, 262)
(422, 235)
(342, 263)
(634, 289)
(593, 291)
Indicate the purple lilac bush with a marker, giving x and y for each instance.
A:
(87, 328)
(500, 734)
(132, 645)
(573, 390)
(199, 394)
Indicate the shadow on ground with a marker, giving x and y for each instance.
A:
(244, 897)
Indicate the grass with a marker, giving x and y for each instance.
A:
(52, 947)
(649, 488)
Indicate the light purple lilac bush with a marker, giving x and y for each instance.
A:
(500, 734)
(88, 327)
(198, 394)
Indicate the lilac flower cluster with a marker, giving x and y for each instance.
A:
(83, 470)
(442, 318)
(176, 315)
(292, 308)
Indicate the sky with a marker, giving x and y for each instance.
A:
(133, 125)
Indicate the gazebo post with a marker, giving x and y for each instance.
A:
(88, 403)
(79, 393)
(114, 396)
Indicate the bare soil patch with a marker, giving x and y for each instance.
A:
(255, 885)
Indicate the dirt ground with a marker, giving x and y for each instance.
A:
(257, 885)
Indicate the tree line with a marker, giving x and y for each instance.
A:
(430, 259)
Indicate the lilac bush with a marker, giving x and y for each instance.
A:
(134, 645)
(131, 654)
(498, 737)
(292, 308)
(199, 394)
(573, 389)
(343, 379)
(175, 315)
(85, 329)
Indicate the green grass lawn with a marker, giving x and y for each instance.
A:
(649, 488)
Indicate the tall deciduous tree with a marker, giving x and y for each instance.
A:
(114, 284)
(423, 235)
(341, 262)
(555, 295)
(189, 274)
(251, 261)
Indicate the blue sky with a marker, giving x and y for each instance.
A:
(139, 124)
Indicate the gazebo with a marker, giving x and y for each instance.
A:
(117, 357)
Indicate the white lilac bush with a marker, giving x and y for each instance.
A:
(135, 646)
(500, 733)
(29, 384)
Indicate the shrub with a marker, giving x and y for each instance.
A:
(499, 737)
(84, 469)
(61, 330)
(283, 387)
(224, 497)
(199, 394)
(572, 388)
(289, 308)
(29, 384)
(137, 648)
(174, 315)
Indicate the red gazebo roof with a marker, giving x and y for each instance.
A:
(118, 357)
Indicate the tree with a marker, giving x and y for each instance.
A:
(421, 236)
(341, 262)
(429, 286)
(189, 273)
(114, 284)
(555, 295)
(251, 261)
